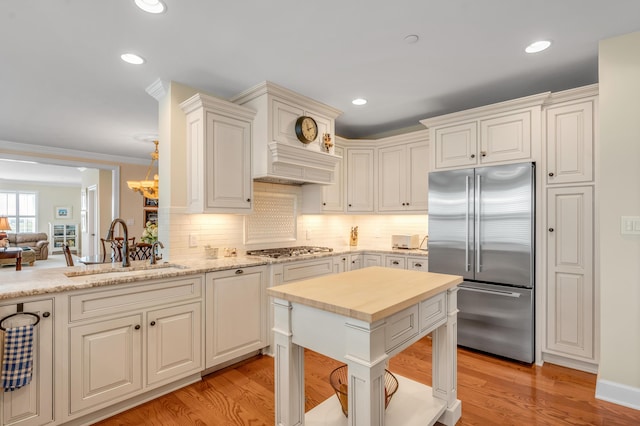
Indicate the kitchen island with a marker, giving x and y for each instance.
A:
(362, 318)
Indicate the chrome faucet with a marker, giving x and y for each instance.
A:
(154, 247)
(125, 244)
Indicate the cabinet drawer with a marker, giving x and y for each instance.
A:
(399, 262)
(95, 303)
(418, 264)
(401, 327)
(433, 313)
(303, 270)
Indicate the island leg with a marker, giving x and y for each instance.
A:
(289, 369)
(366, 361)
(445, 362)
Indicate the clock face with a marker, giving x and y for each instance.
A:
(306, 129)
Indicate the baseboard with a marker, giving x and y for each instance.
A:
(618, 393)
(589, 367)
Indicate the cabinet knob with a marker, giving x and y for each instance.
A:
(418, 265)
(344, 259)
(353, 261)
(324, 204)
(551, 174)
(46, 314)
(551, 229)
(395, 262)
(403, 204)
(137, 327)
(239, 271)
(349, 205)
(473, 156)
(248, 200)
(483, 153)
(407, 203)
(152, 323)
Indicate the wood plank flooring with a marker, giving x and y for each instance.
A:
(493, 392)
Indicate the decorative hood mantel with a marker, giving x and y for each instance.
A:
(279, 155)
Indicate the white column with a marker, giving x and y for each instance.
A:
(366, 360)
(445, 362)
(289, 369)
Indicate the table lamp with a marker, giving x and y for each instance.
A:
(4, 226)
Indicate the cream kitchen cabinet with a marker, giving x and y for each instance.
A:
(393, 261)
(341, 263)
(126, 341)
(500, 133)
(32, 405)
(403, 177)
(418, 263)
(360, 180)
(236, 314)
(570, 290)
(570, 141)
(219, 157)
(318, 198)
(355, 261)
(369, 259)
(400, 261)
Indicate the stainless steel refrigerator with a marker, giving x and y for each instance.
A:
(481, 226)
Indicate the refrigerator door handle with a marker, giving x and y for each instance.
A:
(494, 292)
(467, 267)
(477, 227)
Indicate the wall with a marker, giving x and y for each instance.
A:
(618, 176)
(49, 197)
(219, 230)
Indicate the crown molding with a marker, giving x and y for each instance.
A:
(157, 89)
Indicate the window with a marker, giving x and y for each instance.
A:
(21, 209)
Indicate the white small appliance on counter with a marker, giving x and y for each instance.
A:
(405, 241)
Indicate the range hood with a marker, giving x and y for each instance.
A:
(277, 154)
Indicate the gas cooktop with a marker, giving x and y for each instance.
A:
(289, 251)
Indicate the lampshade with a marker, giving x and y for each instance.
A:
(148, 188)
(4, 226)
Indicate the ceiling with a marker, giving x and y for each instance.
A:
(63, 84)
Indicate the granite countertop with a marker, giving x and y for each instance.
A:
(366, 294)
(30, 282)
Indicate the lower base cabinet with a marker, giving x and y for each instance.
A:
(125, 341)
(32, 405)
(236, 314)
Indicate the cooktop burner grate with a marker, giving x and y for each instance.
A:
(289, 251)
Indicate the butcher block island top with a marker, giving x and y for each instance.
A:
(367, 294)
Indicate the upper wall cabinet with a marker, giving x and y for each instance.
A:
(570, 138)
(219, 135)
(326, 198)
(360, 180)
(403, 174)
(499, 133)
(279, 156)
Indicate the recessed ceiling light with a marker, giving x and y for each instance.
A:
(537, 46)
(359, 101)
(151, 6)
(132, 58)
(411, 38)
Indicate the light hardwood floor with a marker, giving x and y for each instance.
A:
(493, 392)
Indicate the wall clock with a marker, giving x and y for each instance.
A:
(306, 129)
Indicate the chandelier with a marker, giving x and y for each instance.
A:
(148, 188)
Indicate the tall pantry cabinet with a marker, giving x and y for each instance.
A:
(571, 329)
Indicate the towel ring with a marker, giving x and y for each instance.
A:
(19, 313)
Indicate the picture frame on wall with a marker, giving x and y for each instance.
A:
(151, 216)
(63, 212)
(150, 202)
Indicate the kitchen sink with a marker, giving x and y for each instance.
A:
(110, 271)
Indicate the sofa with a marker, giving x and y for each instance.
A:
(37, 241)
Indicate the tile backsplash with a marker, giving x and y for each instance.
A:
(246, 233)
